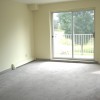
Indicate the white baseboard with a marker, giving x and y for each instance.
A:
(23, 62)
(18, 64)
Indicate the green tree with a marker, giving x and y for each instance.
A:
(83, 22)
(65, 20)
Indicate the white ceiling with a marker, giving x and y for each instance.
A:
(41, 1)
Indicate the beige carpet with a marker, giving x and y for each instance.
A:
(51, 81)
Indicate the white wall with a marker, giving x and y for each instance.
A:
(43, 25)
(19, 27)
(16, 34)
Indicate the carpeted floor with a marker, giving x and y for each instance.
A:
(51, 81)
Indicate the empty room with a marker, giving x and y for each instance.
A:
(49, 50)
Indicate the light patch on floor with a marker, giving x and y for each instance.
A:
(96, 72)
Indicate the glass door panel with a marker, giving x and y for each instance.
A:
(73, 34)
(62, 35)
(83, 26)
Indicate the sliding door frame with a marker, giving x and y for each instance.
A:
(52, 35)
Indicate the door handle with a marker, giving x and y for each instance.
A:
(94, 34)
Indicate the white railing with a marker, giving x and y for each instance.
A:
(83, 44)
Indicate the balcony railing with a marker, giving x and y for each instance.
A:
(77, 44)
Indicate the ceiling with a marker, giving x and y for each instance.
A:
(42, 1)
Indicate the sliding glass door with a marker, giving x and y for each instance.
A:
(73, 34)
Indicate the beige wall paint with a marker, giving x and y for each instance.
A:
(16, 34)
(18, 25)
(43, 25)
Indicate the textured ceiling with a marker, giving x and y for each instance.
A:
(41, 1)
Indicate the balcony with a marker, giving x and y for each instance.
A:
(79, 46)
